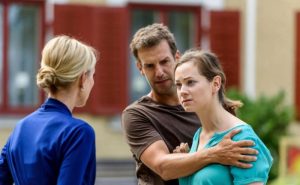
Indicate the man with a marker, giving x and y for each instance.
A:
(156, 123)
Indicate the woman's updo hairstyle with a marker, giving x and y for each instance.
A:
(64, 59)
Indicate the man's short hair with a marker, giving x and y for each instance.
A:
(150, 36)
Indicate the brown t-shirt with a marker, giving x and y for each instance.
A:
(145, 122)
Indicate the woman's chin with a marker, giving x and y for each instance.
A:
(189, 109)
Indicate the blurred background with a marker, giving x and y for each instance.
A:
(257, 41)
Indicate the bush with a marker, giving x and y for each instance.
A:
(269, 117)
(288, 180)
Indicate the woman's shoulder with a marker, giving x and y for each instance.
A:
(79, 130)
(81, 124)
(261, 167)
(73, 125)
(246, 132)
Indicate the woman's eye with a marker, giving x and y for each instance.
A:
(178, 85)
(190, 82)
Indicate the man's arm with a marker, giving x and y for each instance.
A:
(172, 166)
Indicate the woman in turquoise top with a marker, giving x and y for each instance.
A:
(200, 83)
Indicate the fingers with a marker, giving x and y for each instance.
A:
(245, 143)
(232, 133)
(243, 165)
(248, 151)
(185, 147)
(182, 145)
(243, 161)
(247, 158)
(177, 150)
(182, 148)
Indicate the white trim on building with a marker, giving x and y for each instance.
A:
(215, 4)
(250, 49)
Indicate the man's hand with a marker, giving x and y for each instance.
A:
(229, 152)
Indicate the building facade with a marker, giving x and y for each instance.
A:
(257, 41)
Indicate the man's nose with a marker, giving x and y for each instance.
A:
(159, 71)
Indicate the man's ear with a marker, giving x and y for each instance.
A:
(177, 55)
(216, 83)
(139, 66)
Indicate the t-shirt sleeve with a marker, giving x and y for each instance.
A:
(79, 161)
(261, 167)
(5, 173)
(138, 130)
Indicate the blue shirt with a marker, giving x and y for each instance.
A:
(49, 146)
(216, 174)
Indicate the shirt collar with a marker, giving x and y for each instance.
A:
(54, 104)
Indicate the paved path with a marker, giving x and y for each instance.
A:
(116, 172)
(116, 181)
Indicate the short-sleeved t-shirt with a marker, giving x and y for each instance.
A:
(146, 122)
(216, 174)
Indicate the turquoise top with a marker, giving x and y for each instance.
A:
(216, 174)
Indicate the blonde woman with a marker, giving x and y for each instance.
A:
(200, 83)
(50, 146)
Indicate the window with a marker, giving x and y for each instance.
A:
(183, 22)
(23, 54)
(21, 39)
(138, 84)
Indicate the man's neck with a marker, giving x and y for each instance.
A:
(171, 99)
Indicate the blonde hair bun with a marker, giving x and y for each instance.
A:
(46, 77)
(64, 59)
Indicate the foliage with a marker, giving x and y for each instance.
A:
(288, 180)
(269, 117)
